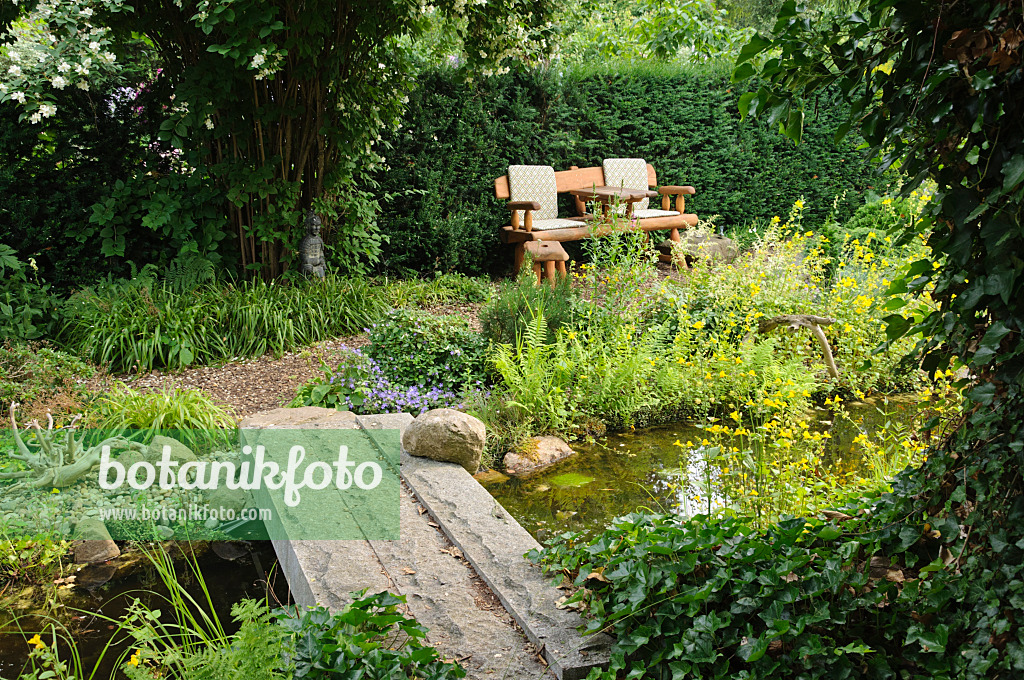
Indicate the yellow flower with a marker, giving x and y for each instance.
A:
(55, 490)
(37, 641)
(134, 661)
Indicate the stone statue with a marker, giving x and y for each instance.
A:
(311, 248)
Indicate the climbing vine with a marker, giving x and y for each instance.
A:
(928, 580)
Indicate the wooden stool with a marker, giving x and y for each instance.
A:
(548, 257)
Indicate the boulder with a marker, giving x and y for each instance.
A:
(131, 457)
(304, 417)
(536, 454)
(698, 246)
(93, 542)
(447, 435)
(180, 453)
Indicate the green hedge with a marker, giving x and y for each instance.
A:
(440, 212)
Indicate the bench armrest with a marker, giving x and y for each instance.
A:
(523, 205)
(676, 191)
(528, 207)
(680, 194)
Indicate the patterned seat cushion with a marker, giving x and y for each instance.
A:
(534, 183)
(627, 173)
(651, 212)
(557, 223)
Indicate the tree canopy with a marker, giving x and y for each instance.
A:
(269, 108)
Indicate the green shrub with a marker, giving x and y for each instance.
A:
(414, 348)
(441, 289)
(882, 216)
(457, 136)
(27, 310)
(141, 324)
(517, 302)
(360, 385)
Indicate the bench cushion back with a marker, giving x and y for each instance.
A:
(534, 183)
(627, 173)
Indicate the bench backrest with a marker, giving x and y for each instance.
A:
(576, 178)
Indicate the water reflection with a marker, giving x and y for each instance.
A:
(646, 470)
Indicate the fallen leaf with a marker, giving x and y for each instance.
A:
(598, 575)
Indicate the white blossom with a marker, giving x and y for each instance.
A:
(208, 123)
(83, 85)
(258, 60)
(47, 110)
(19, 97)
(94, 46)
(59, 82)
(86, 11)
(35, 118)
(14, 70)
(63, 67)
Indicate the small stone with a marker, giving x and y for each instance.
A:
(164, 533)
(94, 543)
(223, 499)
(490, 477)
(211, 523)
(445, 434)
(536, 454)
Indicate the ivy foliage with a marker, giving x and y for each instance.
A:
(928, 580)
(938, 89)
(458, 136)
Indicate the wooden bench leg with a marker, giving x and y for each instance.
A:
(560, 266)
(538, 271)
(549, 272)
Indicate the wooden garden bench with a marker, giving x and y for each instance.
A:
(532, 191)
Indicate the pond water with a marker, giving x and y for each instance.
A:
(232, 572)
(645, 470)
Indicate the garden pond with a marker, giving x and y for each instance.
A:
(653, 470)
(232, 571)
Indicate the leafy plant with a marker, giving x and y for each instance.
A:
(27, 311)
(518, 302)
(142, 324)
(442, 289)
(37, 558)
(368, 639)
(41, 379)
(360, 385)
(413, 348)
(186, 414)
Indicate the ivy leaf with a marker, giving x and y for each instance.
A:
(1013, 171)
(752, 649)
